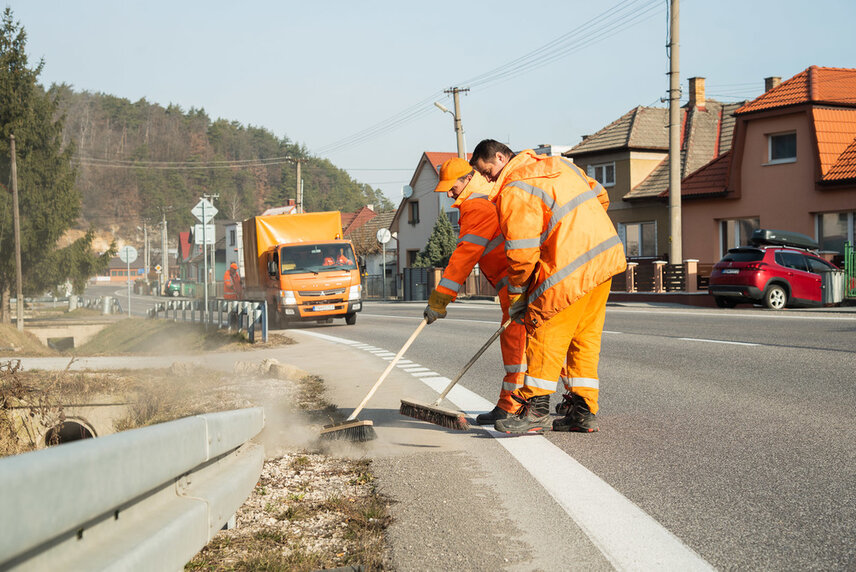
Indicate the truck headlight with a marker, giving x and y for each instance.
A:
(354, 293)
(287, 297)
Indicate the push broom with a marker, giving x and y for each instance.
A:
(435, 414)
(352, 429)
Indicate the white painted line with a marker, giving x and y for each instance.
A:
(713, 313)
(718, 342)
(424, 373)
(627, 536)
(415, 369)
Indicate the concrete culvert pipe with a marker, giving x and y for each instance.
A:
(68, 431)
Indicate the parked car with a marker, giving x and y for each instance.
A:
(776, 276)
(173, 287)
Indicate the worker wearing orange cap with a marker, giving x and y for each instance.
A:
(479, 242)
(562, 252)
(232, 289)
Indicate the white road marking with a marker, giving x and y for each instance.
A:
(626, 535)
(718, 342)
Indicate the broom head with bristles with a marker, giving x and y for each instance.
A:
(355, 430)
(436, 415)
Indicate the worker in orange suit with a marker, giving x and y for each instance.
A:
(232, 289)
(557, 235)
(479, 242)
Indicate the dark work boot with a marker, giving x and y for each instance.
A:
(533, 416)
(579, 417)
(566, 404)
(491, 417)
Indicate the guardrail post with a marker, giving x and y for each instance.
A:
(264, 321)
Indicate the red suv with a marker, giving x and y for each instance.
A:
(774, 275)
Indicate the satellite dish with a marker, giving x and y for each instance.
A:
(407, 191)
(383, 235)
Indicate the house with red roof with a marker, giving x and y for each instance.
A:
(630, 158)
(418, 211)
(792, 166)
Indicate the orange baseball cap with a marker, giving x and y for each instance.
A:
(451, 171)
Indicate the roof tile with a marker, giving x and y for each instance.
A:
(836, 86)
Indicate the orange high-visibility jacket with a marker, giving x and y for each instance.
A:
(553, 217)
(479, 240)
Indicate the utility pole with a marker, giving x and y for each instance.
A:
(459, 128)
(675, 230)
(299, 189)
(16, 216)
(164, 256)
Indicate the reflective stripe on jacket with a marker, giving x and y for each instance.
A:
(553, 217)
(479, 241)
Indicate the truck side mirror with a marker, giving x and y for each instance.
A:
(272, 268)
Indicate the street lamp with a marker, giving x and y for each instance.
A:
(456, 115)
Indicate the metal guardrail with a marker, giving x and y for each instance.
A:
(234, 315)
(146, 499)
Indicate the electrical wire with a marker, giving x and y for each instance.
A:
(620, 17)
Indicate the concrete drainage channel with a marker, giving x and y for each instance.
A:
(78, 421)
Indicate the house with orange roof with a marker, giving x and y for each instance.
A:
(792, 167)
(419, 208)
(630, 158)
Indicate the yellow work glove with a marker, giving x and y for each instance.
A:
(436, 307)
(517, 304)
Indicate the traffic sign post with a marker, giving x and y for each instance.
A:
(383, 236)
(204, 211)
(128, 254)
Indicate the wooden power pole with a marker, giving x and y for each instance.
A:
(16, 217)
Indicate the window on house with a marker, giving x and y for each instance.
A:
(834, 229)
(782, 147)
(736, 232)
(413, 212)
(453, 217)
(603, 173)
(233, 237)
(411, 257)
(639, 238)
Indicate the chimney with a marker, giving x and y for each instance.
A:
(771, 82)
(696, 92)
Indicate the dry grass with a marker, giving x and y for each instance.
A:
(139, 336)
(14, 343)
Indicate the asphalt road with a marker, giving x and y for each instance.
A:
(733, 429)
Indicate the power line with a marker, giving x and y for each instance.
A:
(620, 17)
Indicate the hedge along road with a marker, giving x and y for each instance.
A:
(726, 436)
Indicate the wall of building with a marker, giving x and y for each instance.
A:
(783, 196)
(415, 236)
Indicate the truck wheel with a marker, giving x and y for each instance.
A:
(351, 318)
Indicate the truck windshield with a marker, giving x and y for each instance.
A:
(317, 258)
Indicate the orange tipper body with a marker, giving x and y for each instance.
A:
(301, 266)
(554, 220)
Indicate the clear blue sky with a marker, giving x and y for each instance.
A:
(321, 72)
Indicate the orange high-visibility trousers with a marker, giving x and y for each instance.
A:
(512, 343)
(572, 336)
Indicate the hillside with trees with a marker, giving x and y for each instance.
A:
(140, 161)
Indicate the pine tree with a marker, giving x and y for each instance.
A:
(441, 245)
(48, 200)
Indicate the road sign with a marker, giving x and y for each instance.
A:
(209, 233)
(158, 269)
(383, 235)
(128, 254)
(204, 211)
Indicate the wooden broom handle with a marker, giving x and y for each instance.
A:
(389, 369)
(472, 361)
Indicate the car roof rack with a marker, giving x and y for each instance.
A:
(767, 237)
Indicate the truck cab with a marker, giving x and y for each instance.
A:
(315, 281)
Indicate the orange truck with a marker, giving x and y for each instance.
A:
(302, 267)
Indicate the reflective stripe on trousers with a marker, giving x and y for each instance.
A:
(572, 336)
(512, 343)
